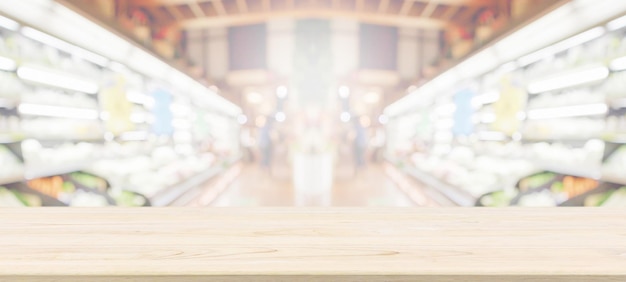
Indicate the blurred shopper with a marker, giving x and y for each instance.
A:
(360, 143)
(265, 144)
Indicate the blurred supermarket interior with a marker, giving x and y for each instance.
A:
(241, 103)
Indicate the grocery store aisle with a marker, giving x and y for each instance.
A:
(368, 187)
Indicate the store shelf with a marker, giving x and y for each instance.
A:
(573, 170)
(9, 138)
(617, 179)
(41, 171)
(169, 195)
(457, 195)
(11, 179)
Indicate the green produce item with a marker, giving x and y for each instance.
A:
(616, 199)
(8, 199)
(69, 187)
(129, 199)
(557, 187)
(89, 181)
(536, 181)
(596, 200)
(497, 199)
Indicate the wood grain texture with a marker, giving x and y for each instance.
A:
(313, 244)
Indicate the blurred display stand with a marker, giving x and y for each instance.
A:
(313, 178)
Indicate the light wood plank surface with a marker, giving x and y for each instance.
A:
(313, 244)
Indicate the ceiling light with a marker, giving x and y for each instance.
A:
(344, 117)
(491, 136)
(618, 64)
(487, 98)
(134, 136)
(568, 111)
(242, 119)
(344, 92)
(383, 119)
(281, 92)
(57, 79)
(578, 77)
(617, 23)
(57, 111)
(7, 64)
(9, 24)
(446, 110)
(562, 46)
(280, 116)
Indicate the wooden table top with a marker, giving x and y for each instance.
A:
(313, 244)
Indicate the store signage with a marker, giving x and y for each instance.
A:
(463, 112)
(162, 114)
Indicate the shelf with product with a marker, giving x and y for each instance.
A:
(65, 111)
(556, 109)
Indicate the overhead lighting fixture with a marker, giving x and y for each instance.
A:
(281, 92)
(383, 119)
(7, 64)
(105, 115)
(137, 97)
(344, 92)
(487, 98)
(578, 77)
(134, 136)
(617, 23)
(344, 117)
(242, 119)
(138, 118)
(64, 46)
(181, 124)
(566, 44)
(180, 110)
(568, 111)
(618, 64)
(56, 79)
(444, 124)
(57, 111)
(446, 110)
(9, 24)
(488, 118)
(491, 136)
(280, 116)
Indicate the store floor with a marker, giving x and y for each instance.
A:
(367, 187)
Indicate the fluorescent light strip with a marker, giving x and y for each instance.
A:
(617, 23)
(56, 79)
(562, 46)
(445, 110)
(7, 64)
(568, 111)
(618, 64)
(488, 118)
(576, 78)
(64, 46)
(491, 136)
(134, 136)
(9, 24)
(57, 111)
(487, 98)
(140, 98)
